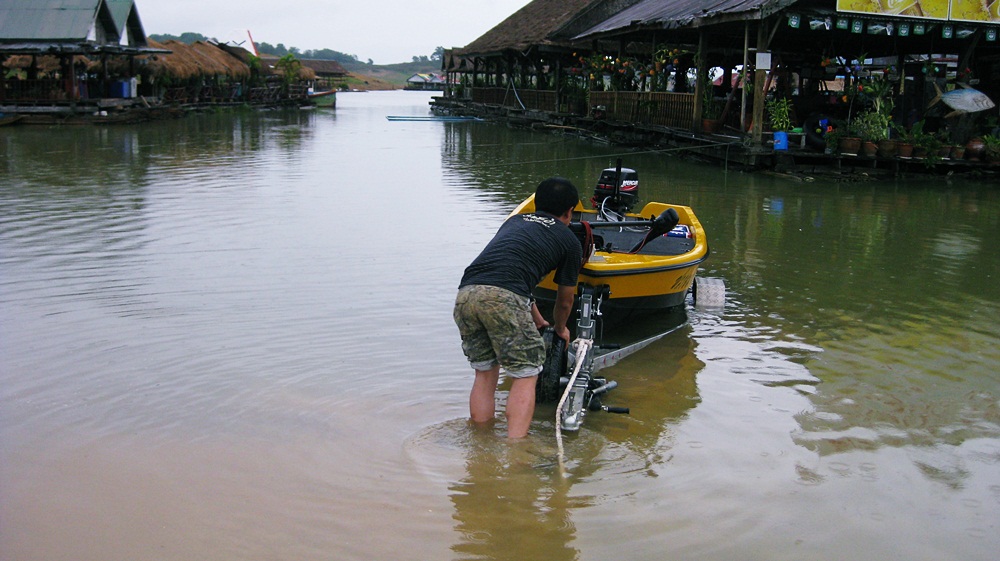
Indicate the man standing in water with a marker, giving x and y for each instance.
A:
(496, 316)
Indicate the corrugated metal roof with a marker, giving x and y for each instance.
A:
(669, 14)
(120, 9)
(48, 20)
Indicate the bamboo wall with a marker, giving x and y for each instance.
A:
(649, 108)
(541, 100)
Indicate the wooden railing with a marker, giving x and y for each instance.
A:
(540, 100)
(33, 90)
(667, 109)
(651, 108)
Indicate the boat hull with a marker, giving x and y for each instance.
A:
(657, 279)
(324, 99)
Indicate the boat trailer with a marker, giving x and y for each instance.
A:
(571, 373)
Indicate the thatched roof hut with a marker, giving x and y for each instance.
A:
(46, 65)
(271, 67)
(197, 59)
(537, 23)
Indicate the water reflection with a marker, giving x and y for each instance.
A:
(877, 298)
(511, 504)
(510, 162)
(893, 311)
(517, 500)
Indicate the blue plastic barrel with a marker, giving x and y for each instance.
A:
(780, 140)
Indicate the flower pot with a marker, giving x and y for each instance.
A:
(974, 148)
(886, 148)
(904, 149)
(944, 152)
(849, 145)
(869, 149)
(958, 152)
(919, 152)
(711, 126)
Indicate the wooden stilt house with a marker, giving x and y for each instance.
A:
(77, 34)
(692, 63)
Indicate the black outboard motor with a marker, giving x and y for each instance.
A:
(619, 200)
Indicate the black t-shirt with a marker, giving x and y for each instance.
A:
(525, 249)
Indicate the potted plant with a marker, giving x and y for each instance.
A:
(904, 141)
(849, 142)
(872, 126)
(832, 140)
(710, 114)
(991, 148)
(779, 113)
(974, 148)
(923, 142)
(710, 111)
(927, 146)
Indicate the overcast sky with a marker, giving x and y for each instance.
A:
(385, 31)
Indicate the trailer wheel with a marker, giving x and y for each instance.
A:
(554, 367)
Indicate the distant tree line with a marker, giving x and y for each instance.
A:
(436, 57)
(281, 50)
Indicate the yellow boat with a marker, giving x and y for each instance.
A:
(640, 273)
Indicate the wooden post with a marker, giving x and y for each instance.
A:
(760, 77)
(558, 87)
(701, 81)
(743, 76)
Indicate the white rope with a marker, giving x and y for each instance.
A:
(510, 84)
(582, 350)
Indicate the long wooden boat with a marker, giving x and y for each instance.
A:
(324, 99)
(641, 271)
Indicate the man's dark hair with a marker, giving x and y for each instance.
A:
(555, 195)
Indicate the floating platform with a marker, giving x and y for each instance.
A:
(431, 118)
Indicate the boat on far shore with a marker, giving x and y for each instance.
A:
(323, 99)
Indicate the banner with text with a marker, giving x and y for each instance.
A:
(978, 11)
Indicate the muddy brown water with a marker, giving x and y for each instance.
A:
(229, 337)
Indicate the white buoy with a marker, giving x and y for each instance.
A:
(709, 293)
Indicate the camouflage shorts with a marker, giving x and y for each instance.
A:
(497, 328)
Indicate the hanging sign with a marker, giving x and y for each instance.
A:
(982, 11)
(932, 9)
(763, 61)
